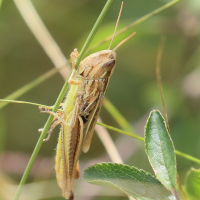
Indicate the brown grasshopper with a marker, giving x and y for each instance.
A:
(81, 109)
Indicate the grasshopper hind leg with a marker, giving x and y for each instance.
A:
(53, 125)
(58, 119)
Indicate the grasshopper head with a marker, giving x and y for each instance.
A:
(99, 65)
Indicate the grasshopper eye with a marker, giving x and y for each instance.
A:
(111, 56)
(108, 65)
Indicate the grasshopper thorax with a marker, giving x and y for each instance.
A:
(99, 65)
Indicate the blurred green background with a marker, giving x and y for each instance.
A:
(133, 88)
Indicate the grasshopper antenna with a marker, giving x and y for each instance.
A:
(158, 77)
(123, 41)
(120, 12)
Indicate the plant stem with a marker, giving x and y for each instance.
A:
(26, 102)
(43, 36)
(176, 194)
(139, 21)
(119, 118)
(40, 141)
(121, 131)
(188, 157)
(58, 101)
(93, 32)
(109, 127)
(180, 188)
(28, 87)
(1, 3)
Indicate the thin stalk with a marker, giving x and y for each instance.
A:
(28, 87)
(26, 102)
(181, 188)
(159, 83)
(121, 131)
(1, 3)
(93, 32)
(119, 118)
(139, 21)
(176, 194)
(40, 141)
(41, 33)
(58, 101)
(186, 156)
(111, 128)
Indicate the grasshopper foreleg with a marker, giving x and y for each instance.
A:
(72, 80)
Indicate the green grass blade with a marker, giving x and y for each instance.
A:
(28, 87)
(119, 118)
(121, 131)
(58, 101)
(93, 32)
(26, 102)
(137, 22)
(186, 156)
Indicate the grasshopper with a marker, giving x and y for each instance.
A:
(81, 108)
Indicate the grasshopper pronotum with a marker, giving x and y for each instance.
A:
(80, 112)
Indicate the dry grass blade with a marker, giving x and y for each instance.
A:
(43, 36)
(108, 143)
(159, 82)
(158, 77)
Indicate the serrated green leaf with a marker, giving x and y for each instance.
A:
(134, 182)
(192, 182)
(160, 150)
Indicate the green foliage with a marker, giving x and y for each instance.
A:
(160, 150)
(133, 88)
(138, 183)
(134, 182)
(192, 183)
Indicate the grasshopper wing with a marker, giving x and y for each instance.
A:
(88, 132)
(68, 151)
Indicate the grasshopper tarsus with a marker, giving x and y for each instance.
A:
(40, 130)
(72, 80)
(47, 138)
(71, 196)
(41, 109)
(74, 55)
